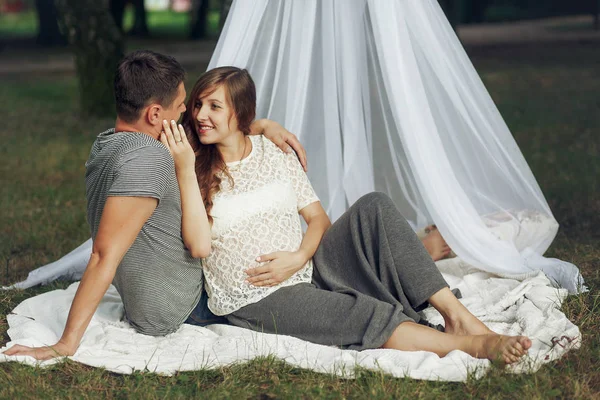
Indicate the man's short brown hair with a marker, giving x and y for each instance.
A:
(145, 77)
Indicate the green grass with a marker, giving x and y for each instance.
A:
(161, 24)
(18, 25)
(549, 98)
(169, 24)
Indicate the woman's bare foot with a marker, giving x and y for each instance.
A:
(458, 320)
(435, 244)
(410, 336)
(465, 324)
(501, 348)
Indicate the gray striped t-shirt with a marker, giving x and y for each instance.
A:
(158, 280)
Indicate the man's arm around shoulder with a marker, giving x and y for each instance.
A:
(122, 219)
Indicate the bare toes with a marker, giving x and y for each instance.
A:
(518, 349)
(507, 349)
(511, 359)
(524, 342)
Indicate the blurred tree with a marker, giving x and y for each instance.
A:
(596, 12)
(98, 47)
(199, 19)
(117, 9)
(475, 10)
(48, 31)
(140, 25)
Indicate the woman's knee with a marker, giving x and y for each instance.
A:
(374, 199)
(380, 205)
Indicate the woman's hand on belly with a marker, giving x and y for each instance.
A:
(277, 267)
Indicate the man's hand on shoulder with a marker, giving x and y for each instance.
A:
(284, 139)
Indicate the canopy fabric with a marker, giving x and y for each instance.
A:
(383, 96)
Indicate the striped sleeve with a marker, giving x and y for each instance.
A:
(143, 172)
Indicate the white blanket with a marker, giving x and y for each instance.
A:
(524, 305)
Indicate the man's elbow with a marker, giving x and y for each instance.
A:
(101, 255)
(102, 260)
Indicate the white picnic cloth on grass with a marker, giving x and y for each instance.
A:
(524, 305)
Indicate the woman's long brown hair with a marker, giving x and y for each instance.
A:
(240, 94)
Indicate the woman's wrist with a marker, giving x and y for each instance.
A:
(185, 174)
(303, 256)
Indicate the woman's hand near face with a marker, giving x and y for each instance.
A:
(284, 139)
(195, 228)
(278, 267)
(175, 140)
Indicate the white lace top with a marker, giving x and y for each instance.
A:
(258, 215)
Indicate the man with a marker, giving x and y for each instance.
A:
(134, 211)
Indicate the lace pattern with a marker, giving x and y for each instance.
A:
(257, 215)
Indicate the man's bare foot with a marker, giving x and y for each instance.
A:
(435, 244)
(501, 348)
(465, 324)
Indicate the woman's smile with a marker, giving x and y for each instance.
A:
(204, 129)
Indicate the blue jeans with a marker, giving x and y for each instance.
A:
(202, 316)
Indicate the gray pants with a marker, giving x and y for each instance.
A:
(371, 273)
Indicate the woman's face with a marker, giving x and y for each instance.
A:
(215, 119)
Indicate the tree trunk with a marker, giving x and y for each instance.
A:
(98, 47)
(199, 19)
(140, 27)
(117, 9)
(596, 11)
(478, 8)
(48, 32)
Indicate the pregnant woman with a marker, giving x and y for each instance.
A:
(358, 283)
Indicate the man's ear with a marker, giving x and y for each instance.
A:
(153, 114)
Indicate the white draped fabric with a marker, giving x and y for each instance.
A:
(383, 97)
